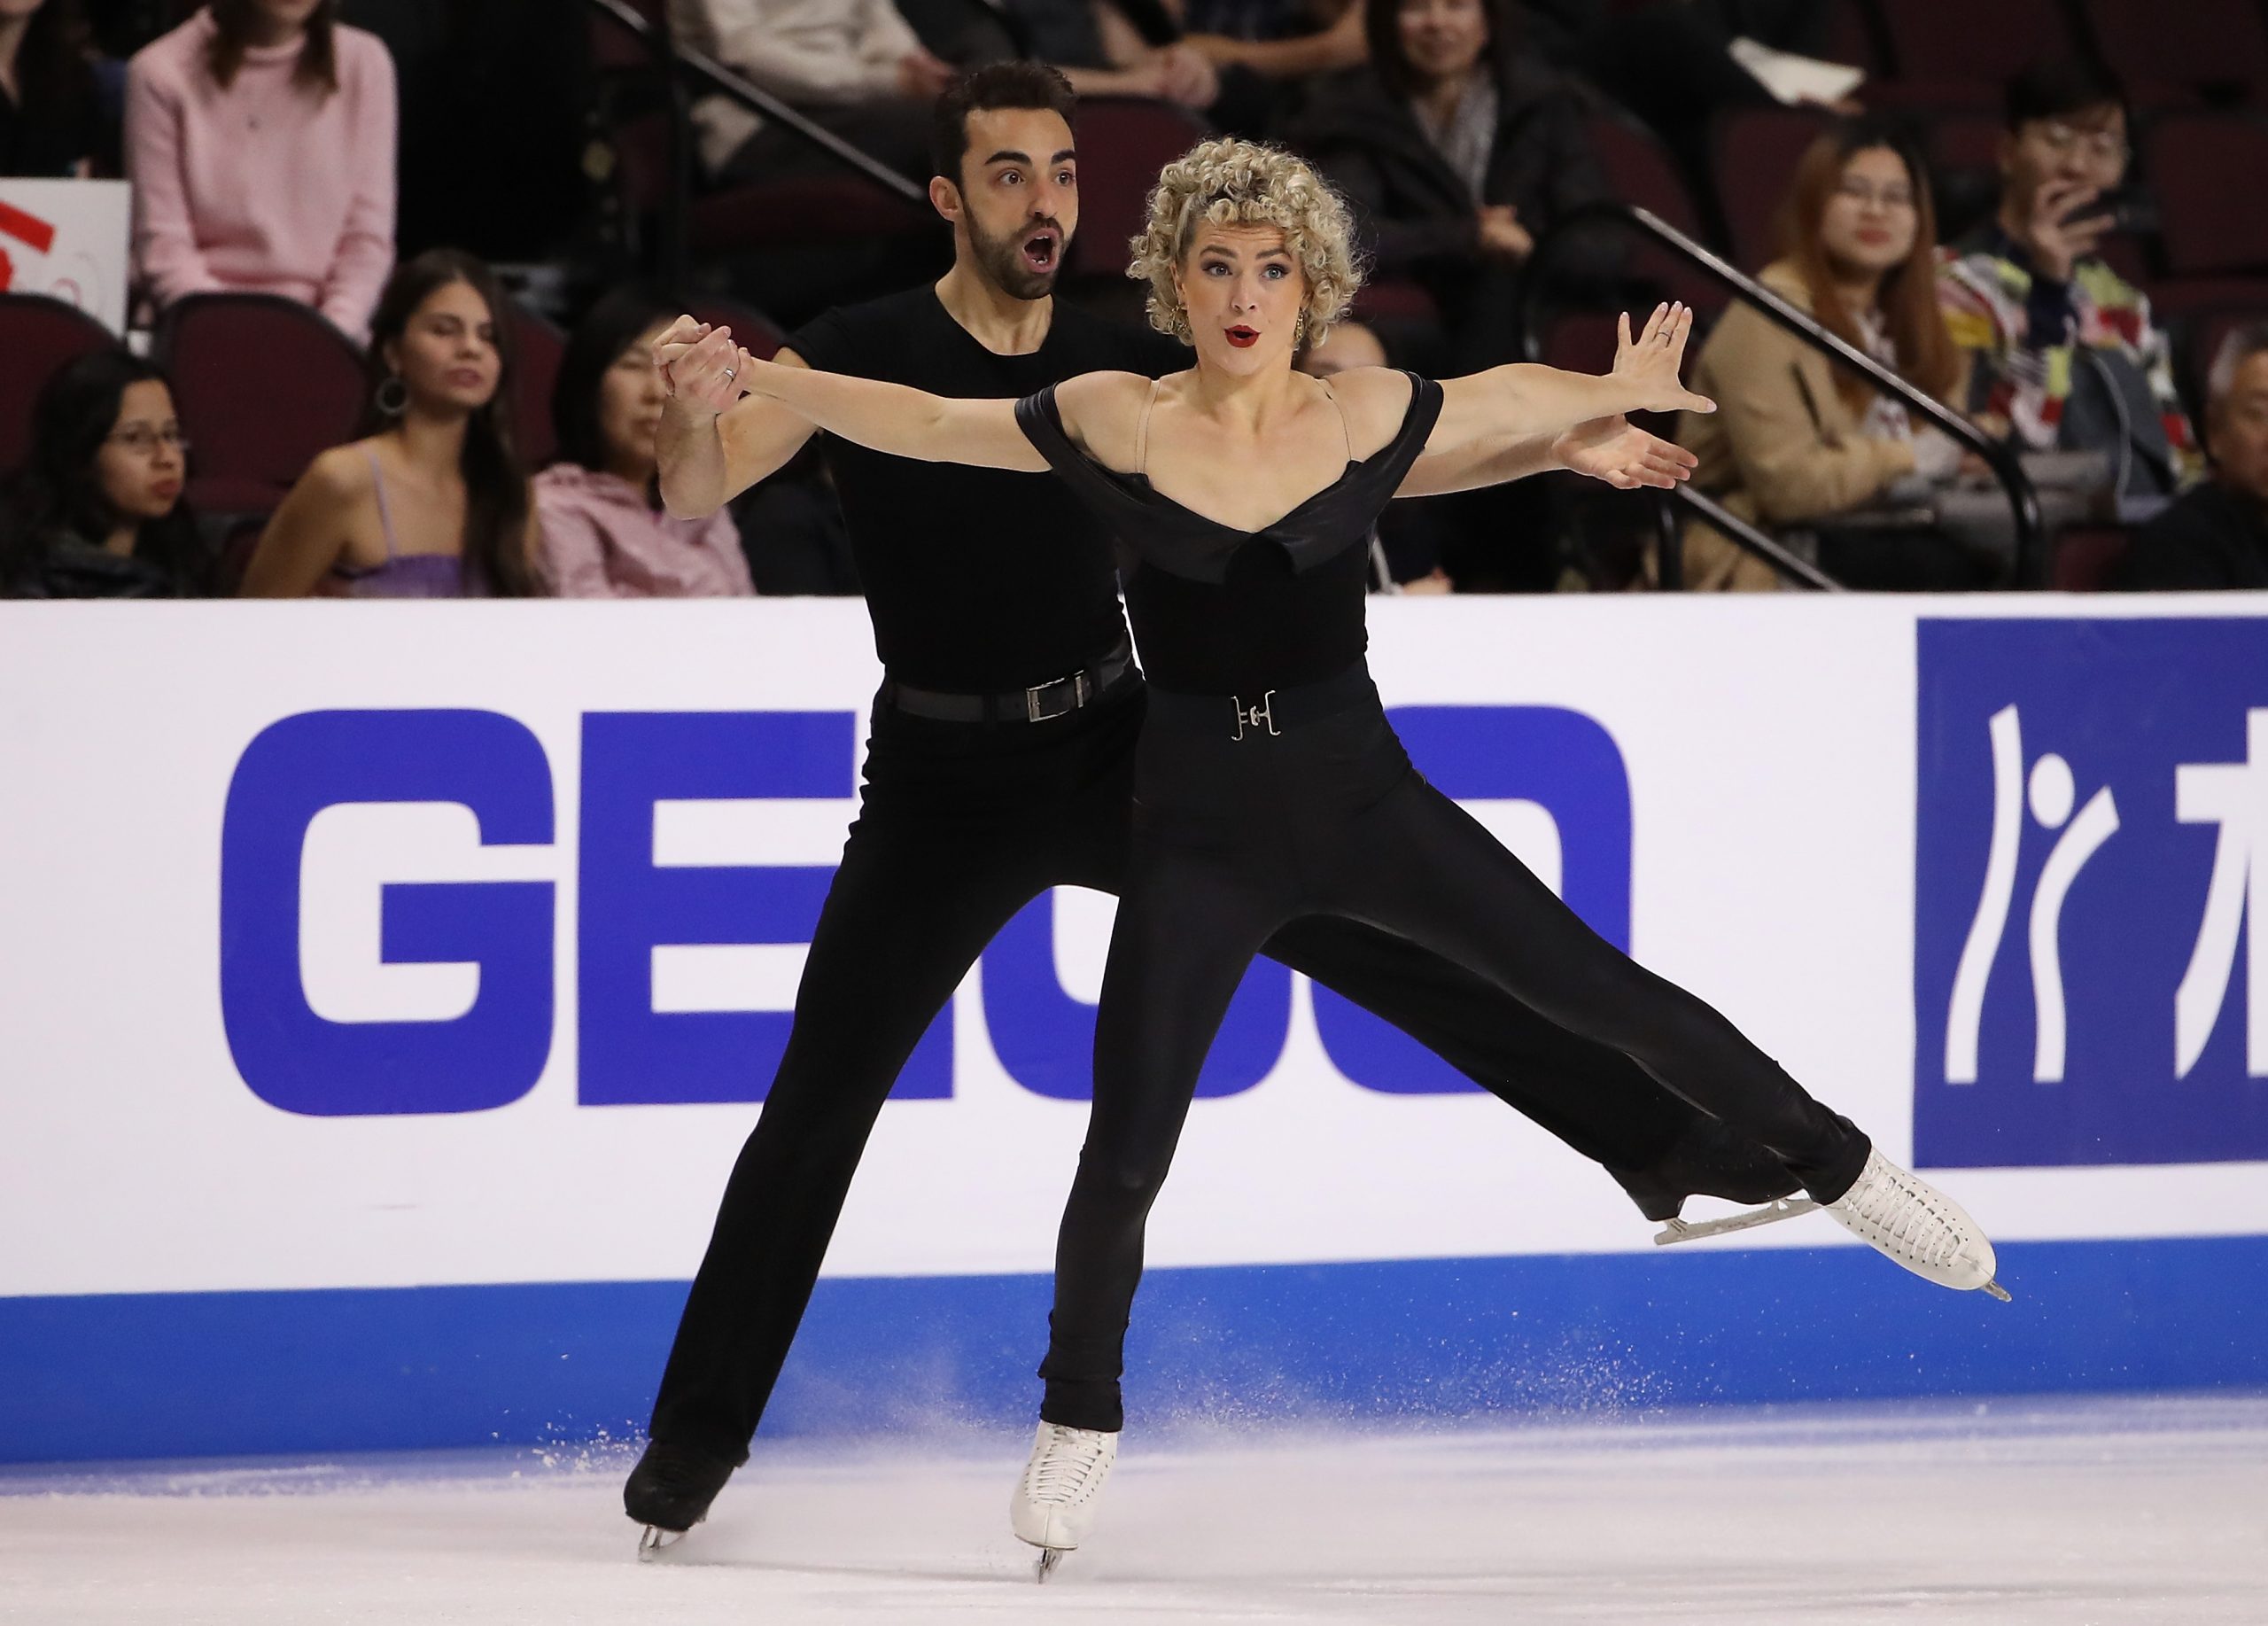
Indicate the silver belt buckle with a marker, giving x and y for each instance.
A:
(1081, 691)
(1255, 717)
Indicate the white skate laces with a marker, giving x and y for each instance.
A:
(1054, 1505)
(1917, 1225)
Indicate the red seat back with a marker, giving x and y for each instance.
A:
(1973, 41)
(1123, 143)
(37, 336)
(2206, 169)
(1640, 171)
(2189, 44)
(2085, 557)
(263, 385)
(1756, 151)
(540, 346)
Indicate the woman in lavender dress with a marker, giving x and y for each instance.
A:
(432, 501)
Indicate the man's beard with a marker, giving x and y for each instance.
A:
(1002, 259)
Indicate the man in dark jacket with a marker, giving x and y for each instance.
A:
(2217, 536)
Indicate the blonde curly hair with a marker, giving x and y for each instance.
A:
(1247, 183)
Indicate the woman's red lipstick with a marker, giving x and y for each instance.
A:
(1244, 339)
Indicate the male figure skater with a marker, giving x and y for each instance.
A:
(1001, 763)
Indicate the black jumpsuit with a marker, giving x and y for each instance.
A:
(1269, 786)
(978, 581)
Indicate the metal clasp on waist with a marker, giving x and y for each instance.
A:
(1255, 717)
(1080, 691)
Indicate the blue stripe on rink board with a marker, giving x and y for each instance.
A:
(239, 1373)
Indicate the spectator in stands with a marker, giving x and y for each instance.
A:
(1458, 150)
(51, 115)
(432, 502)
(605, 534)
(97, 510)
(856, 66)
(2063, 354)
(2217, 534)
(259, 139)
(1796, 440)
(1119, 48)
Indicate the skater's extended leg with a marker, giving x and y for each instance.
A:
(1419, 866)
(1660, 1145)
(903, 921)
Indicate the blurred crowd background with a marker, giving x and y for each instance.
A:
(395, 265)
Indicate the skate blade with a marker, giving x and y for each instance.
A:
(1048, 1558)
(1690, 1231)
(1999, 1292)
(654, 1541)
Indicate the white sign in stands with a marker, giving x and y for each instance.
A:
(68, 240)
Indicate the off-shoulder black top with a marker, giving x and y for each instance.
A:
(1217, 610)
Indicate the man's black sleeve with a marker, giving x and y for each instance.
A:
(829, 342)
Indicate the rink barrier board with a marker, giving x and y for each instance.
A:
(134, 1375)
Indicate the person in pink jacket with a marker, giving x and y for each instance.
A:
(605, 534)
(259, 138)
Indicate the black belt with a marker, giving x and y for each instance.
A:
(1056, 697)
(1271, 712)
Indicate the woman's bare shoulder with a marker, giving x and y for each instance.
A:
(1375, 401)
(343, 474)
(1102, 413)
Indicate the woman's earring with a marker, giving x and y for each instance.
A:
(392, 396)
(1300, 331)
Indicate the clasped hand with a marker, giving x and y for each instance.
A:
(701, 365)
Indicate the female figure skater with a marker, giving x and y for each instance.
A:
(1268, 785)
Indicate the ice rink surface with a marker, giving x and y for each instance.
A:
(2018, 1513)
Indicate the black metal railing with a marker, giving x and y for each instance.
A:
(687, 71)
(2023, 501)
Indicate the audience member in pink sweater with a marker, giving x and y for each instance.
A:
(259, 138)
(604, 533)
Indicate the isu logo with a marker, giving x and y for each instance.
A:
(19, 225)
(2091, 893)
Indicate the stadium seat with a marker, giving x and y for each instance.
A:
(2206, 169)
(2220, 45)
(264, 383)
(1975, 42)
(538, 348)
(1123, 143)
(1756, 151)
(37, 335)
(1640, 171)
(2085, 555)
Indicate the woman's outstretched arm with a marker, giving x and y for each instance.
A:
(897, 419)
(1527, 399)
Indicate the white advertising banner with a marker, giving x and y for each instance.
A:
(68, 240)
(314, 917)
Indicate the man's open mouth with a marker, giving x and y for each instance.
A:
(1242, 337)
(1040, 250)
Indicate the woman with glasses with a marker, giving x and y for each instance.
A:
(97, 510)
(1798, 440)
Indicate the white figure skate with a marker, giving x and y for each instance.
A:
(1918, 1226)
(1898, 1212)
(1053, 1508)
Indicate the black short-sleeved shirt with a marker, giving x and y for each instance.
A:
(979, 580)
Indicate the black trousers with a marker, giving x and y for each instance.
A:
(960, 825)
(1234, 837)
